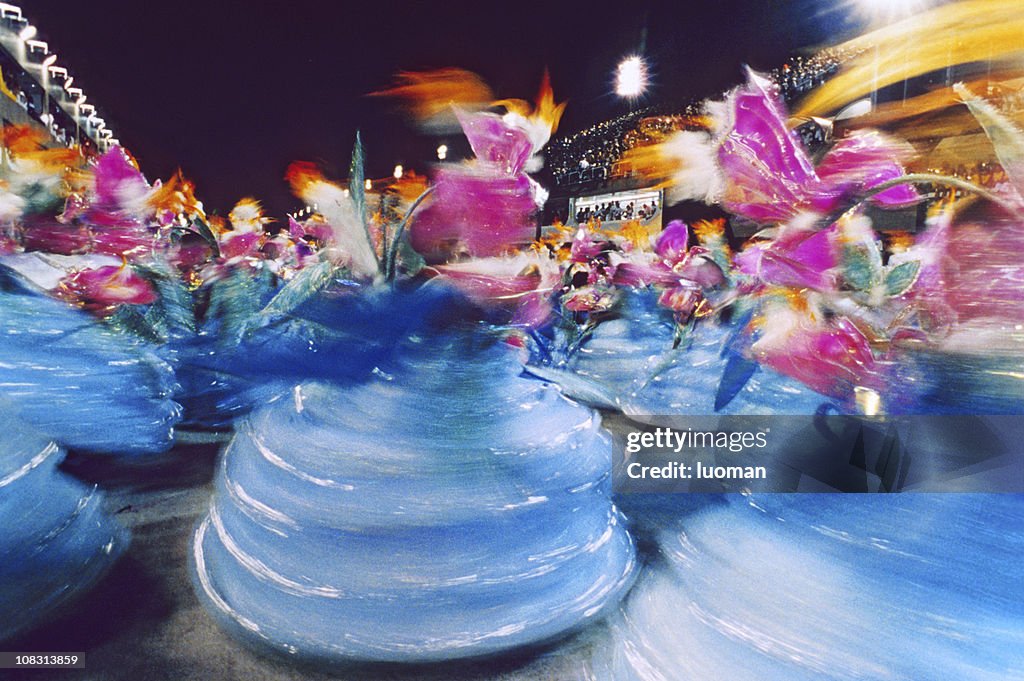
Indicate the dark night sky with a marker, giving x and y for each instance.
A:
(233, 91)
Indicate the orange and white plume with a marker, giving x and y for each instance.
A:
(431, 95)
(538, 121)
(350, 242)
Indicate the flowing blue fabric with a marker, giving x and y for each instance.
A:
(629, 363)
(341, 334)
(79, 382)
(57, 540)
(443, 507)
(631, 359)
(925, 587)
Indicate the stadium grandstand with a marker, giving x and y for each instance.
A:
(36, 90)
(593, 181)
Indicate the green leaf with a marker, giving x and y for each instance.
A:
(307, 283)
(356, 178)
(234, 300)
(400, 246)
(901, 277)
(202, 229)
(174, 302)
(860, 270)
(130, 319)
(357, 190)
(736, 374)
(412, 262)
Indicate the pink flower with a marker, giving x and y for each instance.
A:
(239, 245)
(485, 207)
(53, 237)
(798, 258)
(585, 246)
(120, 192)
(683, 300)
(523, 285)
(673, 242)
(8, 245)
(831, 357)
(131, 242)
(495, 142)
(681, 270)
(770, 177)
(315, 229)
(477, 211)
(191, 253)
(103, 288)
(590, 298)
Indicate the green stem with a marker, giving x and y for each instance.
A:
(392, 252)
(931, 178)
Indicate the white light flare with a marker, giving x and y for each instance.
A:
(631, 78)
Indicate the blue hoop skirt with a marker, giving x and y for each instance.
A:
(445, 508)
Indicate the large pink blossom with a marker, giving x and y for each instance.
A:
(798, 258)
(104, 288)
(831, 357)
(769, 175)
(483, 207)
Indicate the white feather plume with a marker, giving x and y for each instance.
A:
(351, 243)
(698, 177)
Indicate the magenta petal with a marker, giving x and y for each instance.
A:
(641, 274)
(982, 274)
(862, 161)
(585, 246)
(74, 206)
(900, 195)
(589, 299)
(831, 360)
(56, 238)
(239, 245)
(190, 254)
(701, 271)
(109, 285)
(535, 310)
(769, 175)
(321, 231)
(114, 218)
(494, 142)
(134, 242)
(798, 259)
(781, 271)
(484, 287)
(815, 250)
(117, 178)
(748, 261)
(680, 299)
(477, 211)
(673, 241)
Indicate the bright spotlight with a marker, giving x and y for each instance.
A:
(398, 172)
(442, 152)
(881, 12)
(631, 77)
